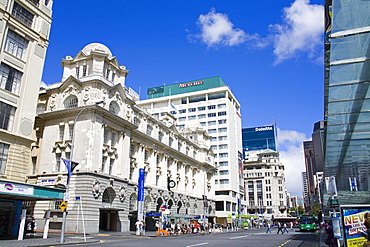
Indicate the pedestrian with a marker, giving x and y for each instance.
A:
(268, 228)
(291, 226)
(138, 227)
(285, 230)
(33, 226)
(331, 241)
(280, 229)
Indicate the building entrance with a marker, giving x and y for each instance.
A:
(108, 220)
(7, 213)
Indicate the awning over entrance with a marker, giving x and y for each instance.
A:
(28, 192)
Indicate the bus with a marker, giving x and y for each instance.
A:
(308, 223)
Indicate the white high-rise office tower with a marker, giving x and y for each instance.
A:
(209, 104)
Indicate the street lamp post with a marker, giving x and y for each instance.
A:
(66, 195)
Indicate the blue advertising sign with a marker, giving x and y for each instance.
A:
(140, 183)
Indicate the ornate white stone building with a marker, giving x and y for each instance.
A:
(265, 184)
(112, 140)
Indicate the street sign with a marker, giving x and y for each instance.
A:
(63, 206)
(163, 208)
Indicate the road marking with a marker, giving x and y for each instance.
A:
(240, 237)
(197, 244)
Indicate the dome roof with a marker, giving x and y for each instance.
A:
(97, 47)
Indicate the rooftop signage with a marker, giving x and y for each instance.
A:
(190, 84)
(263, 128)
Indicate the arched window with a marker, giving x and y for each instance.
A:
(147, 202)
(108, 196)
(195, 208)
(133, 202)
(179, 205)
(70, 102)
(114, 107)
(170, 203)
(159, 204)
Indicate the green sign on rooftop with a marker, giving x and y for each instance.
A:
(185, 87)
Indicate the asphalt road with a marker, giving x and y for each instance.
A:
(256, 238)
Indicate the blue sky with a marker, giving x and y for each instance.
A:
(270, 53)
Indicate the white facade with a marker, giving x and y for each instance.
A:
(24, 33)
(112, 141)
(220, 117)
(265, 184)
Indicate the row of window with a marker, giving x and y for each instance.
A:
(200, 98)
(202, 116)
(203, 108)
(222, 146)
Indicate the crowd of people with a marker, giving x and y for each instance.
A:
(195, 227)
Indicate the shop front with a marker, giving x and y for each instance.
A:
(13, 196)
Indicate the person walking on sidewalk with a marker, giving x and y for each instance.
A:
(268, 228)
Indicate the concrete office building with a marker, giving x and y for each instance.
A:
(24, 33)
(209, 104)
(111, 140)
(347, 101)
(263, 173)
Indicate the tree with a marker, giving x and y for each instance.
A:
(316, 209)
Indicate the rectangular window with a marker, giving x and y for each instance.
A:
(16, 44)
(224, 163)
(6, 116)
(201, 116)
(10, 78)
(210, 131)
(222, 130)
(224, 181)
(70, 127)
(181, 119)
(84, 70)
(182, 126)
(223, 155)
(57, 162)
(211, 107)
(201, 108)
(113, 139)
(214, 147)
(4, 151)
(223, 146)
(104, 160)
(222, 113)
(22, 14)
(220, 106)
(197, 99)
(149, 130)
(222, 138)
(222, 121)
(192, 110)
(213, 139)
(78, 71)
(210, 123)
(226, 172)
(184, 101)
(111, 163)
(202, 123)
(61, 132)
(216, 96)
(182, 111)
(192, 117)
(211, 114)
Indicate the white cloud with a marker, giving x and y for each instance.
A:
(291, 156)
(217, 30)
(301, 31)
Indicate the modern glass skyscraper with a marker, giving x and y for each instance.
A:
(259, 138)
(347, 94)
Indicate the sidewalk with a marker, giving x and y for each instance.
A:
(52, 240)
